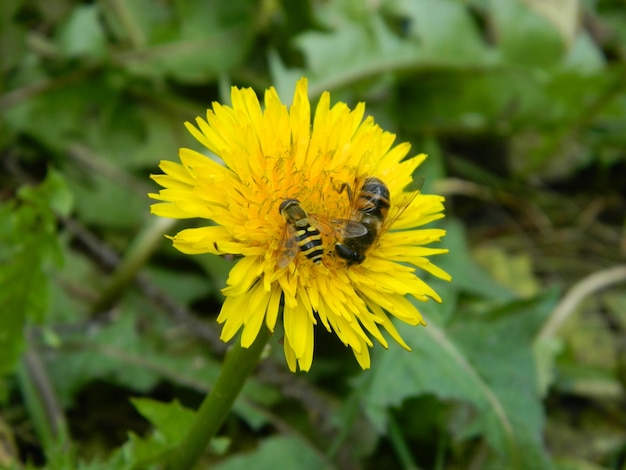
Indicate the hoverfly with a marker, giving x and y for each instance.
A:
(370, 207)
(303, 232)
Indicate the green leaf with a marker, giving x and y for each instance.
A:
(584, 56)
(461, 100)
(57, 130)
(499, 346)
(82, 34)
(29, 249)
(353, 52)
(512, 271)
(185, 287)
(467, 276)
(110, 355)
(119, 354)
(576, 464)
(13, 46)
(551, 148)
(98, 127)
(57, 193)
(525, 37)
(563, 15)
(276, 452)
(192, 40)
(101, 201)
(24, 296)
(485, 361)
(171, 420)
(444, 30)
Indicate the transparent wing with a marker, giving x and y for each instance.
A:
(415, 185)
(403, 202)
(336, 226)
(289, 246)
(349, 228)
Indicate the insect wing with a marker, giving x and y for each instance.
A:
(415, 185)
(289, 246)
(338, 227)
(404, 202)
(349, 228)
(322, 224)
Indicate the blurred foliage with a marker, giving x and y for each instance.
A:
(521, 105)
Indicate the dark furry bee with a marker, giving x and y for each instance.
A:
(370, 208)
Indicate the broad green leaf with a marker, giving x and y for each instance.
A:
(353, 52)
(171, 420)
(40, 118)
(185, 287)
(276, 452)
(192, 40)
(525, 37)
(102, 131)
(82, 34)
(29, 250)
(459, 100)
(467, 276)
(576, 464)
(118, 354)
(59, 196)
(444, 29)
(485, 361)
(78, 272)
(106, 353)
(102, 201)
(13, 46)
(551, 149)
(24, 296)
(512, 271)
(584, 57)
(562, 14)
(9, 8)
(499, 346)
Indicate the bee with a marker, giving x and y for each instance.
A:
(370, 208)
(302, 231)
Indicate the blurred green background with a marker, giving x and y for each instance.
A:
(108, 335)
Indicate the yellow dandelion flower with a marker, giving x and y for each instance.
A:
(290, 262)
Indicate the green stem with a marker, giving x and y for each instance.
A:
(140, 249)
(41, 400)
(399, 444)
(124, 15)
(238, 365)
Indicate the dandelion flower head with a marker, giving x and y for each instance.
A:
(271, 154)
